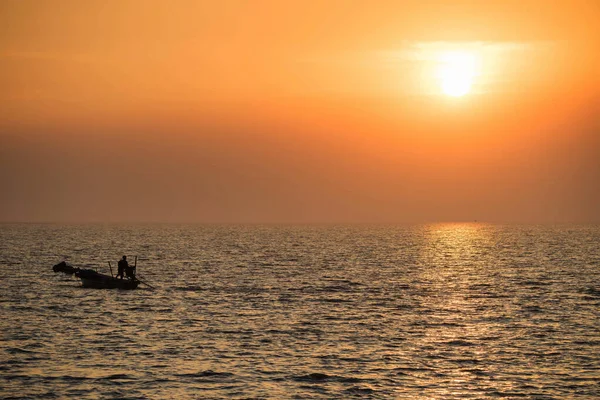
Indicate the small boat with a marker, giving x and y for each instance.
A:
(92, 279)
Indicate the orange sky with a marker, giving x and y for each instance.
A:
(297, 111)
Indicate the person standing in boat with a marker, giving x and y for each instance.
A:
(123, 266)
(130, 271)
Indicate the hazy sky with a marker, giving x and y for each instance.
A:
(298, 111)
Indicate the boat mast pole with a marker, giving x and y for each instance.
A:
(110, 266)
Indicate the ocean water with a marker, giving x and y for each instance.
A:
(451, 311)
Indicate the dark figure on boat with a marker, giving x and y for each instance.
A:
(65, 268)
(123, 266)
(130, 271)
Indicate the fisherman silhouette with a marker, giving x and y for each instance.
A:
(130, 271)
(123, 266)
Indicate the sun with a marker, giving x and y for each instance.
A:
(457, 71)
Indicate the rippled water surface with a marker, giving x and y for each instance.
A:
(422, 312)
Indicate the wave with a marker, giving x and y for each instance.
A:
(191, 288)
(359, 390)
(459, 343)
(18, 350)
(333, 301)
(205, 374)
(592, 291)
(318, 377)
(116, 377)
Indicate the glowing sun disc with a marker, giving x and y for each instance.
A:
(457, 86)
(456, 72)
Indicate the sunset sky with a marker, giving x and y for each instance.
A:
(299, 111)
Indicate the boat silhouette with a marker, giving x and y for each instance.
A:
(92, 279)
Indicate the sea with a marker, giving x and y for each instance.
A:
(435, 311)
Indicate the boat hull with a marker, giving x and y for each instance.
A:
(93, 279)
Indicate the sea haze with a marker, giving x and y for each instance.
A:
(452, 311)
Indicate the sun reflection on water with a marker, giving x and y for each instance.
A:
(459, 251)
(456, 262)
